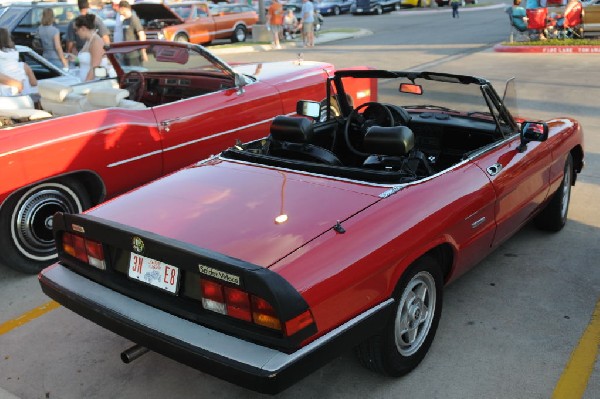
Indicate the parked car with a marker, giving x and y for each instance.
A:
(333, 7)
(415, 3)
(111, 135)
(262, 263)
(23, 19)
(591, 17)
(375, 6)
(42, 69)
(193, 21)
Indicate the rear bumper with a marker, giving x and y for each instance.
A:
(241, 362)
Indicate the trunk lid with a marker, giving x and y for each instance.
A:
(231, 208)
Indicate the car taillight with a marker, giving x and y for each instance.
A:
(244, 306)
(264, 314)
(86, 250)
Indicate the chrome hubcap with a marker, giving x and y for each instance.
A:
(32, 220)
(415, 314)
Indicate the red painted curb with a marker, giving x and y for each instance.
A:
(548, 49)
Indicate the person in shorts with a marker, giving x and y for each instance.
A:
(275, 21)
(308, 21)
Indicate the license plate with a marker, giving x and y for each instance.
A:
(154, 272)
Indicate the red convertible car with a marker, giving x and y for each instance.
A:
(97, 139)
(262, 263)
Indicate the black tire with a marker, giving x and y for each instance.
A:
(239, 34)
(336, 11)
(418, 310)
(181, 37)
(554, 215)
(26, 222)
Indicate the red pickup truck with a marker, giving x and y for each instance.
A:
(194, 21)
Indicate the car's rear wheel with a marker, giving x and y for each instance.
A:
(239, 34)
(406, 338)
(26, 235)
(554, 215)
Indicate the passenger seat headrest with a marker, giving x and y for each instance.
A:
(106, 97)
(292, 129)
(394, 141)
(53, 91)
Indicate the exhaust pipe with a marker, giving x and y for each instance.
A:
(129, 355)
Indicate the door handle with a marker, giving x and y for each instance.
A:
(494, 169)
(166, 124)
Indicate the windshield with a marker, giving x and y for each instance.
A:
(165, 57)
(441, 94)
(11, 17)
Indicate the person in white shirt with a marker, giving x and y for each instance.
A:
(17, 77)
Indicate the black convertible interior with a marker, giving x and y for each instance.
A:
(377, 142)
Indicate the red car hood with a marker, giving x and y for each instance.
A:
(231, 208)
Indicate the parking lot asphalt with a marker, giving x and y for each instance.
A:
(332, 36)
(343, 34)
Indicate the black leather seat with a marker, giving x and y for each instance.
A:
(290, 138)
(393, 149)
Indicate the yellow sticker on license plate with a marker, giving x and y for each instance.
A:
(154, 272)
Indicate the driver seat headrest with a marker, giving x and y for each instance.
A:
(394, 141)
(292, 129)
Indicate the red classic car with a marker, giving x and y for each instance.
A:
(262, 263)
(104, 137)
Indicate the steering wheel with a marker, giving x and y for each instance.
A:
(137, 88)
(374, 114)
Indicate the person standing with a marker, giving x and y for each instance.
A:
(132, 30)
(16, 76)
(92, 53)
(50, 37)
(275, 21)
(74, 43)
(455, 4)
(308, 21)
(118, 32)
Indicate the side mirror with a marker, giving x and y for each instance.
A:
(532, 131)
(308, 108)
(240, 82)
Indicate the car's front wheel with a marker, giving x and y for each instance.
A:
(406, 338)
(239, 34)
(26, 235)
(554, 215)
(181, 38)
